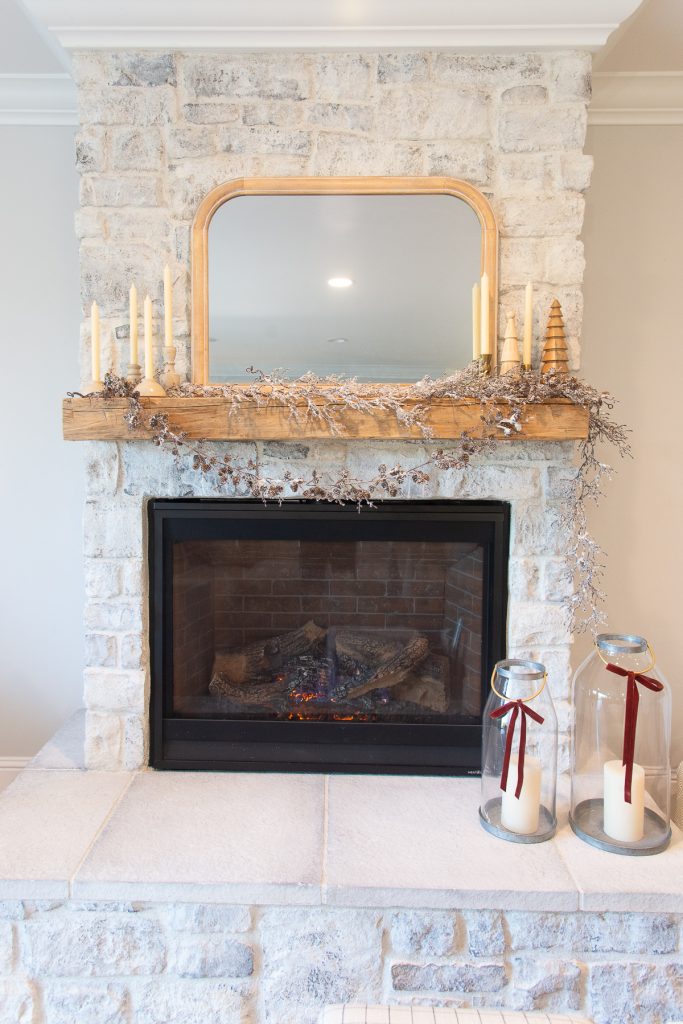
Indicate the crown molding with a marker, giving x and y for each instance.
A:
(38, 100)
(333, 24)
(636, 97)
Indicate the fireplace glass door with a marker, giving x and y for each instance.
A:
(320, 628)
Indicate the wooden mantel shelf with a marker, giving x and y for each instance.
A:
(217, 419)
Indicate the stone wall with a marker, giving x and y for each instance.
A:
(158, 131)
(214, 964)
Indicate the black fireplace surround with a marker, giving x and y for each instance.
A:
(315, 637)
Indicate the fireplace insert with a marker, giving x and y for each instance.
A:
(316, 637)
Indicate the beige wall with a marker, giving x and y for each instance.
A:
(633, 347)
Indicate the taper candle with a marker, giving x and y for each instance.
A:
(95, 341)
(476, 321)
(528, 323)
(168, 307)
(133, 316)
(485, 333)
(149, 355)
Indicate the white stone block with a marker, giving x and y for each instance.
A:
(316, 956)
(107, 616)
(531, 128)
(133, 651)
(136, 149)
(100, 650)
(452, 977)
(564, 263)
(181, 1001)
(109, 690)
(537, 623)
(101, 468)
(285, 113)
(142, 68)
(91, 149)
(113, 529)
(423, 934)
(525, 95)
(102, 578)
(404, 66)
(341, 77)
(353, 117)
(207, 917)
(524, 578)
(118, 191)
(210, 956)
(576, 170)
(485, 933)
(17, 1001)
(489, 68)
(103, 741)
(417, 112)
(72, 945)
(134, 577)
(263, 76)
(134, 750)
(544, 215)
(194, 140)
(570, 77)
(339, 154)
(470, 161)
(134, 106)
(264, 139)
(558, 579)
(83, 1002)
(213, 112)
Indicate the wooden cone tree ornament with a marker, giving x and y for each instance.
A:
(555, 353)
(510, 360)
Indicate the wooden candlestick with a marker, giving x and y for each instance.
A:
(555, 353)
(509, 360)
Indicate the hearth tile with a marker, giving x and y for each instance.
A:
(48, 821)
(65, 749)
(407, 841)
(211, 837)
(609, 881)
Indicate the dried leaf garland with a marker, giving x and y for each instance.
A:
(324, 399)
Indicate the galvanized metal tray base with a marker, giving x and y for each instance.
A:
(587, 823)
(490, 820)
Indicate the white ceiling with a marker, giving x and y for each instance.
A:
(468, 24)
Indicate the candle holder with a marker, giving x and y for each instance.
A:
(150, 388)
(134, 373)
(519, 761)
(485, 364)
(94, 385)
(620, 768)
(169, 377)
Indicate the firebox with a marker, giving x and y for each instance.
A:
(315, 637)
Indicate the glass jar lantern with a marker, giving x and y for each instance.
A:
(621, 735)
(519, 756)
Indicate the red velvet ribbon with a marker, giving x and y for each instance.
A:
(517, 707)
(631, 718)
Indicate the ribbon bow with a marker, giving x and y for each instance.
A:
(517, 707)
(631, 717)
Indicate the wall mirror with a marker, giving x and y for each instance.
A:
(366, 277)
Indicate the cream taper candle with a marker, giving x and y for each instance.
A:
(133, 316)
(95, 342)
(168, 307)
(528, 323)
(149, 354)
(485, 333)
(622, 821)
(521, 814)
(476, 321)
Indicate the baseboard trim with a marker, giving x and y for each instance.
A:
(13, 763)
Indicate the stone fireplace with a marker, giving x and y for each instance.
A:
(158, 131)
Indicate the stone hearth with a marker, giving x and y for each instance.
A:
(191, 898)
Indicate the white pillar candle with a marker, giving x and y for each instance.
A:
(149, 355)
(133, 317)
(528, 323)
(95, 341)
(625, 822)
(168, 307)
(476, 321)
(485, 334)
(521, 815)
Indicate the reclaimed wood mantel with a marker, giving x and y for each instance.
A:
(218, 419)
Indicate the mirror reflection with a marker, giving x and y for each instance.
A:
(377, 287)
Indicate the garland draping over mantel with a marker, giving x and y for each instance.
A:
(502, 400)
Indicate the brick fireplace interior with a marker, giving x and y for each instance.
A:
(315, 615)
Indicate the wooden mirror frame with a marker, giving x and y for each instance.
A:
(327, 187)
